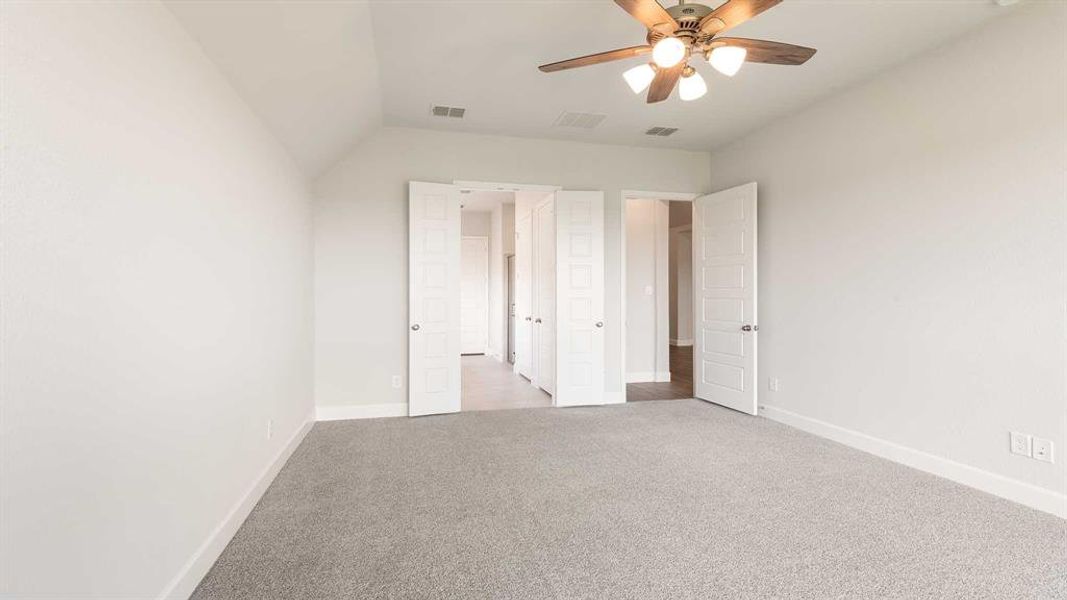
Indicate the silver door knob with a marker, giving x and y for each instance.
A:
(750, 328)
(599, 323)
(529, 318)
(415, 327)
(538, 320)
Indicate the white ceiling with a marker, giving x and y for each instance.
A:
(307, 68)
(322, 73)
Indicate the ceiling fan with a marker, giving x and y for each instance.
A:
(679, 33)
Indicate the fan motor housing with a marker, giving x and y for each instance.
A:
(688, 17)
(688, 12)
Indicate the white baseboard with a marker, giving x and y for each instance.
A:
(1012, 489)
(361, 411)
(182, 586)
(675, 342)
(614, 397)
(648, 377)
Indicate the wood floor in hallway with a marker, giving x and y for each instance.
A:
(489, 384)
(680, 385)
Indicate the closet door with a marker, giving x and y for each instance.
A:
(524, 363)
(434, 298)
(579, 298)
(545, 284)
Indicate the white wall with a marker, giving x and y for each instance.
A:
(647, 293)
(912, 249)
(475, 223)
(681, 286)
(361, 212)
(501, 243)
(156, 293)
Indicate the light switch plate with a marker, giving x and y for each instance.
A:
(1020, 443)
(1042, 450)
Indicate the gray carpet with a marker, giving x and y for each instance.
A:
(676, 499)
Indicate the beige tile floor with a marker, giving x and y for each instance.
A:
(489, 384)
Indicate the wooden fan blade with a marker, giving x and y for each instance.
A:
(651, 14)
(664, 83)
(775, 53)
(595, 59)
(733, 13)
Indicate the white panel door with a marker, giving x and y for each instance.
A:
(579, 298)
(474, 295)
(724, 294)
(545, 297)
(524, 296)
(434, 273)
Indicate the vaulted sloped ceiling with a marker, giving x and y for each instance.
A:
(307, 68)
(323, 73)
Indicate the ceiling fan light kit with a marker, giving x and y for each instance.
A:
(668, 52)
(678, 33)
(639, 77)
(692, 85)
(727, 59)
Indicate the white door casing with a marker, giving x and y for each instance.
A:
(474, 295)
(434, 272)
(524, 296)
(724, 298)
(579, 298)
(545, 296)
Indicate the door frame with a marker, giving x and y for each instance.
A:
(485, 238)
(626, 195)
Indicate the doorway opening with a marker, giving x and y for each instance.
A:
(558, 295)
(659, 297)
(507, 270)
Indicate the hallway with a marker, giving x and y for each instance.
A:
(680, 386)
(488, 384)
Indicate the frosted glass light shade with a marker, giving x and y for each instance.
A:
(668, 52)
(639, 77)
(728, 59)
(692, 87)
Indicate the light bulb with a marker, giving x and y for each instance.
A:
(639, 77)
(668, 52)
(692, 87)
(728, 59)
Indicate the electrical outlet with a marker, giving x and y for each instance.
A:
(772, 384)
(398, 382)
(1043, 450)
(1020, 443)
(270, 428)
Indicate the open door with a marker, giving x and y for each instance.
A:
(579, 298)
(434, 273)
(524, 297)
(724, 298)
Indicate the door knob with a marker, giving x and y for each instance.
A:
(529, 318)
(415, 327)
(750, 328)
(537, 320)
(599, 323)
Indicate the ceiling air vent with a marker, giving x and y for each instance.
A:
(447, 111)
(579, 120)
(661, 131)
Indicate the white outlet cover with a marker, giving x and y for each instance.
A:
(1020, 443)
(772, 384)
(1042, 450)
(398, 382)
